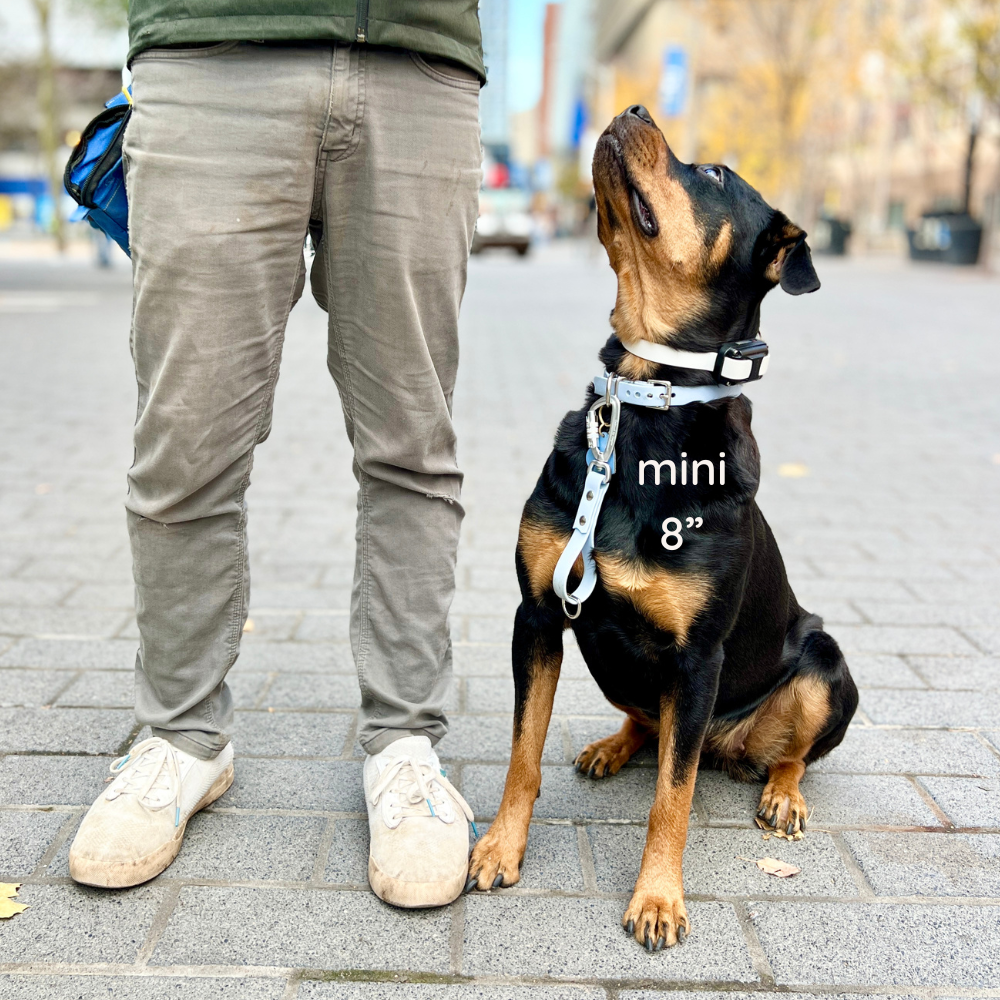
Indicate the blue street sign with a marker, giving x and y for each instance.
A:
(674, 81)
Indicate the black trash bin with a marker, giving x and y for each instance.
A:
(946, 237)
(830, 236)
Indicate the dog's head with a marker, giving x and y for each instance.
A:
(695, 248)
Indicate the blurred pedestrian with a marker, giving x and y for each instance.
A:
(360, 123)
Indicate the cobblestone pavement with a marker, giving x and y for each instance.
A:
(880, 403)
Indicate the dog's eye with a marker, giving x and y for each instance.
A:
(709, 171)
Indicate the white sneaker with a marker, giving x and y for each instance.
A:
(135, 828)
(419, 853)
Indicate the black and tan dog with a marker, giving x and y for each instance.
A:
(702, 645)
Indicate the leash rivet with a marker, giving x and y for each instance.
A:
(590, 494)
(583, 519)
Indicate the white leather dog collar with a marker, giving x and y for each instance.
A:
(736, 361)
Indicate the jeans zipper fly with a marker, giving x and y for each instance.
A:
(361, 22)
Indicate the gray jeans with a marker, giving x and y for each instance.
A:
(230, 151)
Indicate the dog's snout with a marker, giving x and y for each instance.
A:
(640, 112)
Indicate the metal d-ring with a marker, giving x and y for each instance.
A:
(577, 604)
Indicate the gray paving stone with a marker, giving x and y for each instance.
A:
(483, 629)
(323, 628)
(573, 696)
(931, 708)
(892, 639)
(713, 865)
(882, 671)
(241, 846)
(84, 568)
(291, 734)
(74, 923)
(270, 626)
(101, 688)
(24, 838)
(951, 673)
(35, 987)
(740, 995)
(30, 688)
(968, 801)
(312, 990)
(318, 929)
(54, 730)
(31, 593)
(551, 859)
(104, 595)
(307, 657)
(481, 660)
(300, 597)
(508, 934)
(347, 862)
(59, 621)
(245, 687)
(71, 654)
(565, 794)
(928, 864)
(880, 944)
(833, 800)
(315, 691)
(333, 786)
(487, 738)
(873, 750)
(51, 781)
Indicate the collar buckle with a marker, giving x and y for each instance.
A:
(667, 391)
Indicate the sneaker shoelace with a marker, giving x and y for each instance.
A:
(413, 787)
(150, 771)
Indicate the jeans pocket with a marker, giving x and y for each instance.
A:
(195, 50)
(444, 71)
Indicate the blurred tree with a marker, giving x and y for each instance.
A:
(48, 129)
(763, 113)
(107, 13)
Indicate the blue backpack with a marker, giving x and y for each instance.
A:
(95, 177)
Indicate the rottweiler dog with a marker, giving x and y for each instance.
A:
(698, 637)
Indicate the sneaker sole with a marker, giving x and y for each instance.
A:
(414, 895)
(118, 875)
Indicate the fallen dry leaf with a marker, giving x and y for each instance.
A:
(248, 626)
(772, 866)
(7, 906)
(793, 470)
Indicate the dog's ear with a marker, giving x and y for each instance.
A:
(783, 255)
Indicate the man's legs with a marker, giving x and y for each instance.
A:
(221, 155)
(400, 199)
(400, 207)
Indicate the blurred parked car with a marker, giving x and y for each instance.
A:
(504, 220)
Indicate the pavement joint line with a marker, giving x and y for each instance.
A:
(323, 849)
(291, 990)
(160, 920)
(350, 738)
(758, 958)
(62, 835)
(456, 935)
(986, 743)
(266, 689)
(65, 687)
(932, 804)
(865, 891)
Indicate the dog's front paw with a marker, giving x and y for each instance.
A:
(603, 757)
(656, 919)
(495, 861)
(783, 809)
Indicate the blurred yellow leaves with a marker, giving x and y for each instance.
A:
(7, 905)
(793, 470)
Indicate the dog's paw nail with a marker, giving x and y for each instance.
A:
(649, 944)
(762, 812)
(497, 881)
(790, 829)
(470, 885)
(630, 927)
(660, 942)
(802, 822)
(681, 934)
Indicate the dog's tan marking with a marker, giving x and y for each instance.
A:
(608, 756)
(541, 546)
(792, 234)
(720, 249)
(657, 909)
(778, 735)
(500, 850)
(669, 599)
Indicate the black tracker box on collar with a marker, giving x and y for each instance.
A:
(753, 351)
